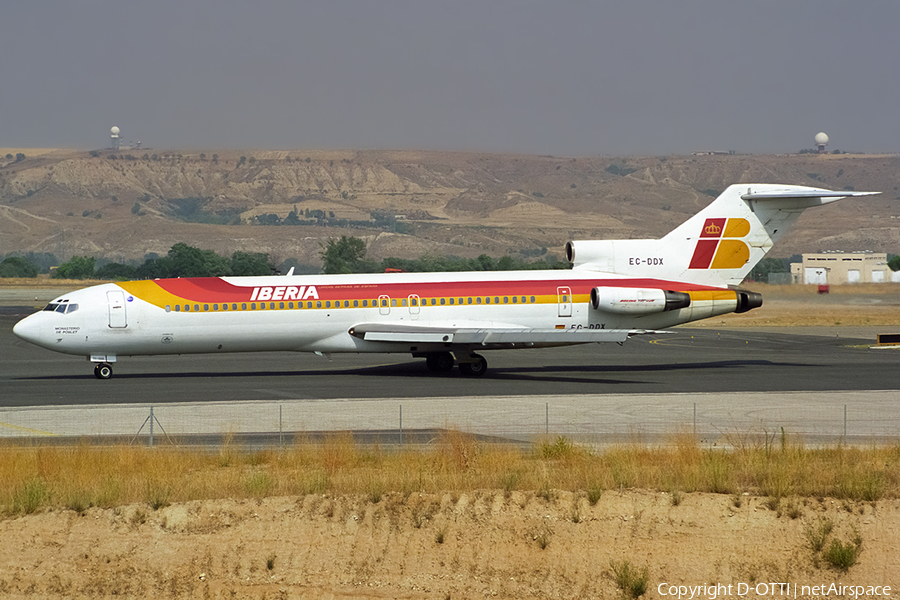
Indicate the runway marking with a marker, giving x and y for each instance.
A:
(26, 429)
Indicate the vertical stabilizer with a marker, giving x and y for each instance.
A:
(717, 246)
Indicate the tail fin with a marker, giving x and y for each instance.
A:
(717, 246)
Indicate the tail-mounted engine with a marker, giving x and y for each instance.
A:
(747, 301)
(637, 301)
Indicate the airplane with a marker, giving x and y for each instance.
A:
(615, 289)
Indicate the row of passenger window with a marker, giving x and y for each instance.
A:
(384, 301)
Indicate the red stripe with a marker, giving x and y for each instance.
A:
(213, 289)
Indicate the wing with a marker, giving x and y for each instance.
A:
(489, 336)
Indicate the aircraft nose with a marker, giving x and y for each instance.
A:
(29, 329)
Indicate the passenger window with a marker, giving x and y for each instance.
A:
(309, 304)
(262, 306)
(281, 304)
(318, 304)
(443, 301)
(290, 305)
(532, 300)
(206, 308)
(253, 306)
(394, 302)
(177, 308)
(243, 306)
(496, 300)
(523, 299)
(365, 303)
(487, 300)
(478, 300)
(187, 308)
(168, 308)
(460, 300)
(225, 307)
(403, 302)
(196, 308)
(433, 301)
(515, 300)
(355, 303)
(470, 301)
(451, 301)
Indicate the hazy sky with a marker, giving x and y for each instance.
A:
(556, 77)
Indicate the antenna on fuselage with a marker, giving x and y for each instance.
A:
(289, 273)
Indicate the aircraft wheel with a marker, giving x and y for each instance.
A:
(103, 371)
(477, 368)
(439, 362)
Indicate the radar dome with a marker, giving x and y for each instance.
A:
(821, 139)
(115, 131)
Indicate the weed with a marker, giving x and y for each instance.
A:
(30, 496)
(816, 533)
(737, 500)
(560, 449)
(843, 555)
(157, 495)
(259, 484)
(675, 498)
(270, 562)
(440, 535)
(542, 539)
(594, 492)
(793, 510)
(773, 503)
(510, 482)
(138, 518)
(631, 580)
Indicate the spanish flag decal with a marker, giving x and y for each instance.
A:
(717, 247)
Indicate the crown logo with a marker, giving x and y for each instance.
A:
(712, 229)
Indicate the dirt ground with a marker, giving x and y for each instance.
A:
(485, 544)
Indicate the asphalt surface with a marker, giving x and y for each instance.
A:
(702, 380)
(690, 360)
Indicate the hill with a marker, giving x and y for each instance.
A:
(407, 203)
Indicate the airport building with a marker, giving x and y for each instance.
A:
(832, 268)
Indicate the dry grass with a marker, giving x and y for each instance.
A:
(76, 478)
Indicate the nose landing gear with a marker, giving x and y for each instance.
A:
(103, 371)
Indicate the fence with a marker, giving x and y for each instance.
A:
(814, 418)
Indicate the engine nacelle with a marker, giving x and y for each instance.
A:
(637, 301)
(747, 301)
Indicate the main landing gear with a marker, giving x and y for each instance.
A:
(103, 371)
(472, 365)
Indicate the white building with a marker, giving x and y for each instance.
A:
(842, 267)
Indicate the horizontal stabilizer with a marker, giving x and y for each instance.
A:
(790, 194)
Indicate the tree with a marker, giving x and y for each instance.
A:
(894, 262)
(79, 267)
(188, 261)
(346, 255)
(250, 263)
(116, 271)
(16, 266)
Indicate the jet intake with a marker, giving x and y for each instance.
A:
(637, 301)
(747, 301)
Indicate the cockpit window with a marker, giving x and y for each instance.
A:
(61, 307)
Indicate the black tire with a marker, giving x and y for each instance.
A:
(477, 368)
(439, 362)
(103, 371)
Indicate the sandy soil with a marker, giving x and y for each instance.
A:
(487, 544)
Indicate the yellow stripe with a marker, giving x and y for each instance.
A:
(26, 429)
(701, 295)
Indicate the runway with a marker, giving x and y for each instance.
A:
(696, 379)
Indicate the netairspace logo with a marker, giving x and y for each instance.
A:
(772, 590)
